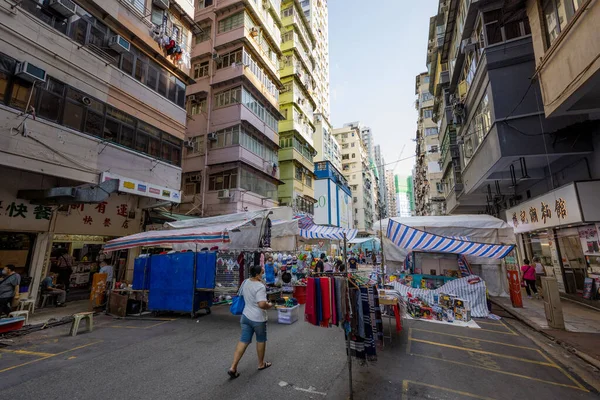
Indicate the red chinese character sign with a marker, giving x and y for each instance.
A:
(116, 216)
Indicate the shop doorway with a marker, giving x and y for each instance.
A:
(17, 248)
(574, 262)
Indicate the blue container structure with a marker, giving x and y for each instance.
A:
(174, 280)
(141, 273)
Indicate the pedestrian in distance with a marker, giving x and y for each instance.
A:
(539, 271)
(528, 276)
(253, 321)
(8, 288)
(270, 271)
(320, 265)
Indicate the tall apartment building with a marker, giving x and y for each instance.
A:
(357, 170)
(326, 145)
(297, 103)
(516, 86)
(410, 193)
(317, 13)
(231, 162)
(428, 179)
(379, 161)
(92, 104)
(390, 185)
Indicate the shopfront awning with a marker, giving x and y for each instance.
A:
(414, 239)
(363, 240)
(328, 232)
(208, 236)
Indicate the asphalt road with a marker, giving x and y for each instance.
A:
(185, 359)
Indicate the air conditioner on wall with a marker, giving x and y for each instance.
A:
(162, 4)
(30, 72)
(195, 178)
(212, 136)
(188, 144)
(119, 44)
(223, 194)
(66, 8)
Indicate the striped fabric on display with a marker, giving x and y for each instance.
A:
(168, 237)
(328, 232)
(415, 239)
(305, 221)
(474, 294)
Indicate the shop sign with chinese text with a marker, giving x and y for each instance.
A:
(117, 216)
(139, 188)
(571, 204)
(21, 215)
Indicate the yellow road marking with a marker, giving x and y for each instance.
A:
(510, 330)
(502, 372)
(562, 370)
(488, 323)
(472, 338)
(409, 340)
(500, 332)
(475, 396)
(485, 352)
(141, 327)
(405, 387)
(26, 352)
(50, 356)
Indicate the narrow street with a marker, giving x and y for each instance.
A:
(184, 359)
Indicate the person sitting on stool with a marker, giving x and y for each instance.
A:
(49, 287)
(8, 288)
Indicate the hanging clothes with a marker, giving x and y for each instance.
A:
(310, 313)
(319, 302)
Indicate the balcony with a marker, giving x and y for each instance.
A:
(291, 153)
(270, 92)
(238, 153)
(227, 116)
(299, 21)
(305, 129)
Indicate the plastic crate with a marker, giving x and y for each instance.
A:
(288, 315)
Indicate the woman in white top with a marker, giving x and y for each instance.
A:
(253, 321)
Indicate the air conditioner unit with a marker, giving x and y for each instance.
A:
(66, 8)
(119, 44)
(192, 98)
(162, 4)
(467, 45)
(212, 136)
(30, 72)
(215, 56)
(188, 144)
(223, 194)
(195, 178)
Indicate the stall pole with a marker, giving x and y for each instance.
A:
(382, 252)
(193, 313)
(351, 397)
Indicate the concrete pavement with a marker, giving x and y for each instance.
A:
(184, 359)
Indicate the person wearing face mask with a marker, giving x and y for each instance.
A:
(8, 288)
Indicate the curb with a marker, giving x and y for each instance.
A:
(590, 360)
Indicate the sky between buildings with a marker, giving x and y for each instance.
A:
(376, 49)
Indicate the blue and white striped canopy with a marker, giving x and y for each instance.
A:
(415, 239)
(328, 232)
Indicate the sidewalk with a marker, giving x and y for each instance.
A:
(42, 315)
(582, 324)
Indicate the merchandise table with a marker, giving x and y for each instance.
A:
(392, 302)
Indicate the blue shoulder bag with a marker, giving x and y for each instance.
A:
(238, 303)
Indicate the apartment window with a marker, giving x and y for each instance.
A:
(433, 148)
(259, 110)
(425, 79)
(428, 113)
(51, 99)
(426, 96)
(431, 131)
(478, 129)
(229, 59)
(257, 184)
(288, 12)
(200, 70)
(226, 137)
(204, 35)
(157, 16)
(197, 145)
(308, 180)
(499, 27)
(298, 173)
(232, 22)
(289, 35)
(557, 14)
(198, 107)
(345, 146)
(223, 180)
(204, 3)
(228, 97)
(353, 155)
(137, 4)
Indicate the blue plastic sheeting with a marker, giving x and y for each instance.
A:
(141, 273)
(206, 265)
(171, 283)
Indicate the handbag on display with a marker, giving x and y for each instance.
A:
(238, 303)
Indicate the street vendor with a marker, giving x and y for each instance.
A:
(270, 271)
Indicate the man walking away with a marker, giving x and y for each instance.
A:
(65, 269)
(8, 288)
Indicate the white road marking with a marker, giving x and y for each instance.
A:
(311, 389)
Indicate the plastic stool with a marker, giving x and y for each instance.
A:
(77, 320)
(23, 313)
(46, 296)
(27, 304)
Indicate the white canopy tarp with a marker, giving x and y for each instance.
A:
(477, 228)
(363, 240)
